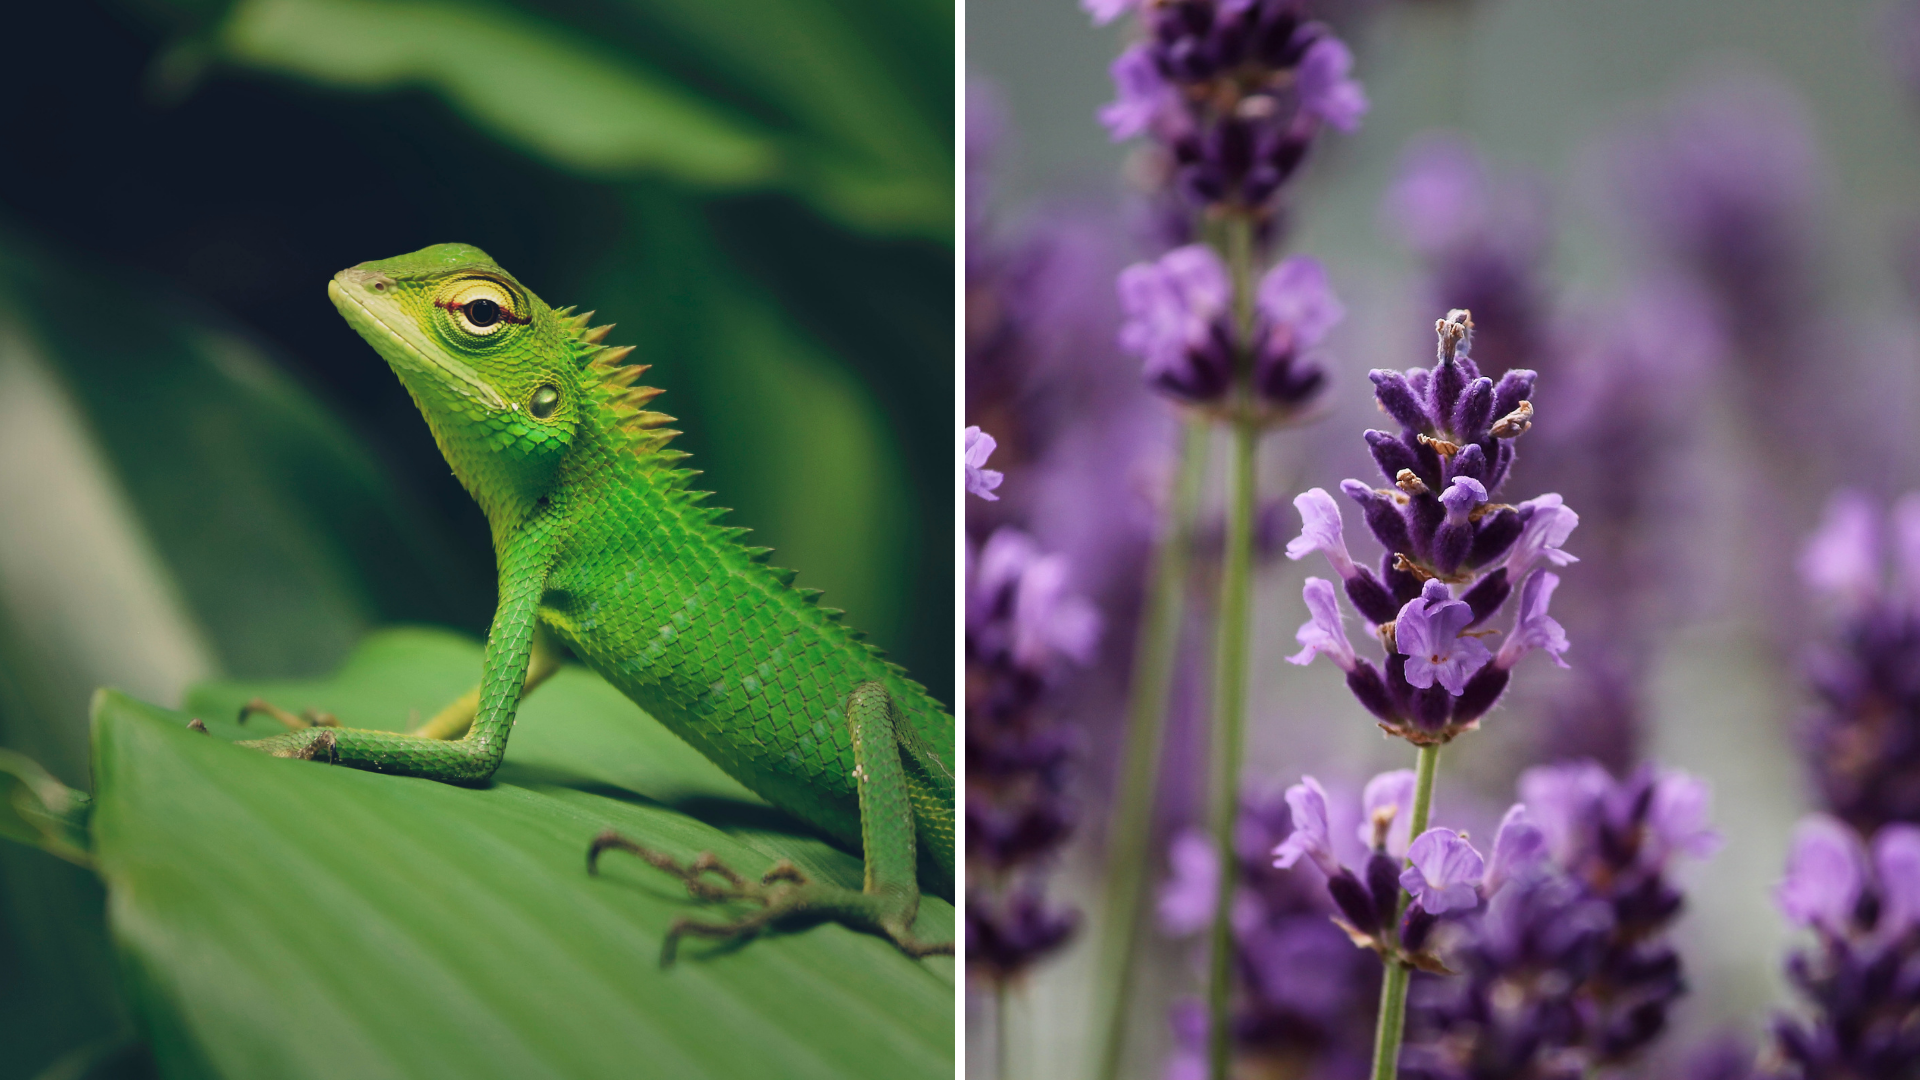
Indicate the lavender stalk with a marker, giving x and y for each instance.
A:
(1155, 656)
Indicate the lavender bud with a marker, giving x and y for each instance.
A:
(1383, 880)
(1488, 593)
(1354, 901)
(1416, 928)
(1371, 689)
(1475, 411)
(1398, 399)
(1471, 461)
(1514, 387)
(1392, 455)
(1495, 533)
(1448, 381)
(1370, 597)
(1482, 691)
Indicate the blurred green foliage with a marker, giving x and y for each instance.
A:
(203, 472)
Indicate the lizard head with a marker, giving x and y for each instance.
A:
(495, 371)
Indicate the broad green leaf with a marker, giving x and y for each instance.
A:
(528, 82)
(288, 919)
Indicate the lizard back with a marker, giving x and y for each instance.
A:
(665, 603)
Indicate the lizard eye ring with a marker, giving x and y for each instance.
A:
(479, 308)
(544, 401)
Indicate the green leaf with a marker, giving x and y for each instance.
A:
(524, 80)
(287, 919)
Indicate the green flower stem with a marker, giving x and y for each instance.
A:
(1393, 989)
(1155, 654)
(1230, 657)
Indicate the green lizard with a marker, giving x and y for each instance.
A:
(601, 544)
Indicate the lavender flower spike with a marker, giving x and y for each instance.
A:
(1427, 633)
(1324, 630)
(1321, 530)
(1519, 851)
(1533, 628)
(1826, 872)
(981, 480)
(1310, 836)
(1389, 806)
(1446, 871)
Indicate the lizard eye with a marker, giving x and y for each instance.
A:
(545, 401)
(482, 312)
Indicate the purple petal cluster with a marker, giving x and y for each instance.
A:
(1439, 870)
(1024, 625)
(1566, 970)
(980, 480)
(1233, 91)
(1303, 994)
(1453, 555)
(1179, 321)
(1861, 975)
(1863, 737)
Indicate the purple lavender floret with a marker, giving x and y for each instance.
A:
(980, 480)
(1863, 736)
(1303, 993)
(1454, 554)
(1179, 321)
(1861, 974)
(1566, 970)
(1234, 91)
(1024, 625)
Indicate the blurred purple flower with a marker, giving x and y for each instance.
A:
(1234, 92)
(1519, 851)
(1445, 872)
(1142, 95)
(1105, 11)
(1826, 871)
(1187, 898)
(1896, 865)
(1842, 561)
(1295, 309)
(1176, 315)
(1326, 89)
(980, 480)
(1429, 634)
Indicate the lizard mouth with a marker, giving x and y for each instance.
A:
(395, 338)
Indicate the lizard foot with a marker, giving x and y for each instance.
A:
(294, 722)
(783, 892)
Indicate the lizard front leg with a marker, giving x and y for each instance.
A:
(473, 757)
(890, 899)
